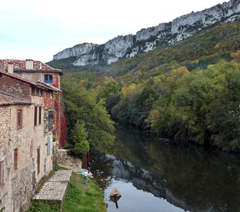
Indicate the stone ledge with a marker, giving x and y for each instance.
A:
(61, 176)
(55, 188)
(52, 191)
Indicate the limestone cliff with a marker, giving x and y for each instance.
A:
(148, 39)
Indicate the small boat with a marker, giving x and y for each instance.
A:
(115, 195)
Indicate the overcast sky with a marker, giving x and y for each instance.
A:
(38, 29)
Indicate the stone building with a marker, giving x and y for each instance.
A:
(29, 123)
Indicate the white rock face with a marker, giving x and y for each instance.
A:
(86, 59)
(148, 39)
(116, 48)
(144, 34)
(77, 50)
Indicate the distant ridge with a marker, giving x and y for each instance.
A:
(148, 39)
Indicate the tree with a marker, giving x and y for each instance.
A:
(111, 92)
(80, 104)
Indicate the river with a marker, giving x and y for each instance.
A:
(154, 174)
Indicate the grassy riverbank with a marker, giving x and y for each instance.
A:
(79, 197)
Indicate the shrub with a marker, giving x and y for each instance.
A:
(80, 149)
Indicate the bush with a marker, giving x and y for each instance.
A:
(80, 149)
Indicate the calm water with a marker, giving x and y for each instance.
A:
(155, 175)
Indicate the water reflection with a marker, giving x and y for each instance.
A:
(180, 177)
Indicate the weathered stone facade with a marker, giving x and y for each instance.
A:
(26, 136)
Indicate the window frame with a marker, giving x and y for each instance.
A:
(19, 118)
(48, 146)
(40, 115)
(48, 78)
(2, 172)
(38, 160)
(50, 123)
(35, 115)
(15, 158)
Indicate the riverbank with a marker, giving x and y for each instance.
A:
(79, 197)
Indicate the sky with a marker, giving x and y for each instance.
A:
(38, 29)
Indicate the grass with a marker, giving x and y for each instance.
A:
(79, 197)
(84, 198)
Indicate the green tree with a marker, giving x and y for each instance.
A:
(110, 90)
(80, 104)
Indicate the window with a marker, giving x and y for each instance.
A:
(38, 160)
(47, 94)
(40, 115)
(35, 115)
(15, 158)
(50, 120)
(32, 90)
(48, 144)
(41, 92)
(19, 119)
(48, 78)
(1, 173)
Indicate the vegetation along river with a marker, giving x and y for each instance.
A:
(153, 174)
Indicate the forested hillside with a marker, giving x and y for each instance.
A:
(190, 90)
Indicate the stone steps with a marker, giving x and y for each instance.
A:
(54, 189)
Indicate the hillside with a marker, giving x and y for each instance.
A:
(188, 91)
(197, 52)
(145, 40)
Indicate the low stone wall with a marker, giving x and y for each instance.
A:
(67, 161)
(55, 152)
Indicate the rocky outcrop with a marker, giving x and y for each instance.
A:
(78, 50)
(148, 39)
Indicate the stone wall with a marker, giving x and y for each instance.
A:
(68, 161)
(40, 139)
(17, 189)
(20, 148)
(35, 77)
(55, 152)
(15, 86)
(5, 129)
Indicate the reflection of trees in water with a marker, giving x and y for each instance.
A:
(140, 178)
(186, 175)
(200, 178)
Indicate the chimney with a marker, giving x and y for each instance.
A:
(10, 68)
(1, 65)
(29, 64)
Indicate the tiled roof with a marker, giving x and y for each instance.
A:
(47, 86)
(17, 77)
(38, 84)
(6, 99)
(20, 65)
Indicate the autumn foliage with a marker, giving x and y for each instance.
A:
(182, 69)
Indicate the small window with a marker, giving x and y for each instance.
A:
(48, 143)
(15, 159)
(19, 119)
(40, 115)
(47, 94)
(34, 91)
(1, 172)
(50, 120)
(48, 78)
(38, 160)
(35, 115)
